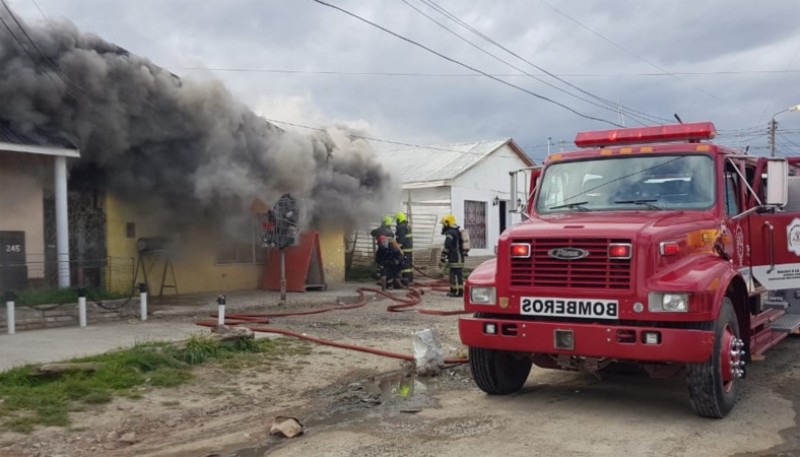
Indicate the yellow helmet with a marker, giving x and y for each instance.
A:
(400, 217)
(387, 221)
(449, 220)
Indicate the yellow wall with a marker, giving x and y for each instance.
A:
(331, 244)
(194, 262)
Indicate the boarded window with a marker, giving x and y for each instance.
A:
(475, 222)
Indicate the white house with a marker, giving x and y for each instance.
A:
(468, 180)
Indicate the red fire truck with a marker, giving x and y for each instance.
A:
(648, 247)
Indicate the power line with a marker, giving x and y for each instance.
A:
(380, 140)
(467, 26)
(450, 59)
(40, 10)
(46, 58)
(456, 75)
(638, 56)
(766, 107)
(499, 59)
(28, 53)
(785, 138)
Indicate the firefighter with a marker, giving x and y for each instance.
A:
(389, 260)
(404, 238)
(453, 255)
(385, 229)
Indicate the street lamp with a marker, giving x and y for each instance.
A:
(773, 126)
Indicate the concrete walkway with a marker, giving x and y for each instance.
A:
(172, 319)
(52, 345)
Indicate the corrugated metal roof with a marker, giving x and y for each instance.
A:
(9, 134)
(439, 163)
(34, 142)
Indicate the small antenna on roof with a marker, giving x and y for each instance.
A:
(747, 149)
(678, 118)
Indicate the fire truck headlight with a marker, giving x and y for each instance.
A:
(483, 295)
(668, 302)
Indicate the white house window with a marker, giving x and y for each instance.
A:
(475, 222)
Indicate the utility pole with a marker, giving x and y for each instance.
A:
(773, 126)
(549, 141)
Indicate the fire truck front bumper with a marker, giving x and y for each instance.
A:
(588, 340)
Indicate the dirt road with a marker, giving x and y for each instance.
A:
(356, 404)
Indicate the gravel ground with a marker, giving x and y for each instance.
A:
(358, 404)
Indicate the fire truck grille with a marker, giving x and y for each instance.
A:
(595, 271)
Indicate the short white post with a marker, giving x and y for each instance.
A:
(221, 312)
(82, 307)
(10, 318)
(143, 300)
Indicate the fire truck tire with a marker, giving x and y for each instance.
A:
(709, 394)
(498, 372)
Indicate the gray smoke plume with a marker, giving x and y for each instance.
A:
(183, 148)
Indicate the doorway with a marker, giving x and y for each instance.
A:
(503, 216)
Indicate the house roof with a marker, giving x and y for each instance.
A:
(440, 164)
(34, 142)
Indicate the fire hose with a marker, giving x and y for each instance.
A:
(257, 322)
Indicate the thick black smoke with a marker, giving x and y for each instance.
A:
(184, 148)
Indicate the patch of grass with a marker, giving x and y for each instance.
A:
(58, 296)
(30, 400)
(169, 377)
(97, 397)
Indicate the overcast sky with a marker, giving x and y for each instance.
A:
(734, 63)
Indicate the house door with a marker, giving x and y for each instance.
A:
(503, 216)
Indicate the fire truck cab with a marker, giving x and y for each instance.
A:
(648, 247)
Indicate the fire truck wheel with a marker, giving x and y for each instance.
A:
(713, 384)
(498, 372)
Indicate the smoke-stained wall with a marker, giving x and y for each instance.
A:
(194, 255)
(178, 148)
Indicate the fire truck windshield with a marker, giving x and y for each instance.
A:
(647, 182)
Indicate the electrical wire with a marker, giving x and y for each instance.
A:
(785, 138)
(640, 57)
(54, 66)
(462, 64)
(455, 75)
(770, 102)
(459, 21)
(27, 52)
(40, 10)
(603, 105)
(399, 143)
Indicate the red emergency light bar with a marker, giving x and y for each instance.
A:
(674, 132)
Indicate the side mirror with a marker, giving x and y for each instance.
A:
(535, 174)
(520, 204)
(777, 183)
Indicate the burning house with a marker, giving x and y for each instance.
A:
(167, 169)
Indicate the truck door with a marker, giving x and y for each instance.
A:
(774, 240)
(736, 236)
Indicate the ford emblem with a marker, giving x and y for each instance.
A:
(568, 253)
